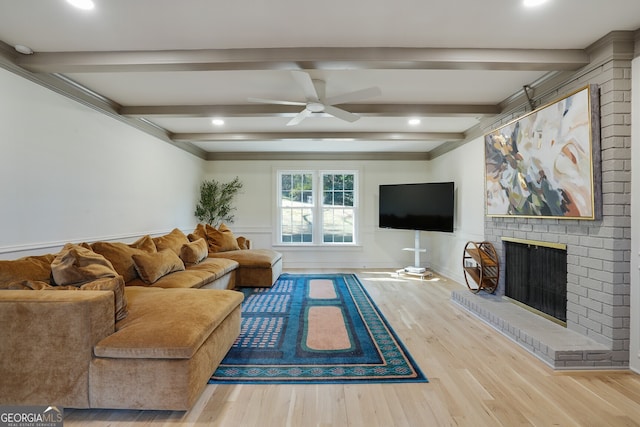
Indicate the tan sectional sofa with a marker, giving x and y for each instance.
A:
(256, 267)
(144, 330)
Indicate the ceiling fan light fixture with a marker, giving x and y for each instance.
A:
(315, 107)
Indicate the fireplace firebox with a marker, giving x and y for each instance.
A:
(536, 276)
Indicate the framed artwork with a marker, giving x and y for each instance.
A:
(547, 163)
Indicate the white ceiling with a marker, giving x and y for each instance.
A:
(177, 64)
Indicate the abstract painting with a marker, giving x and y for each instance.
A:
(545, 164)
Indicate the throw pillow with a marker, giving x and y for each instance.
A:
(76, 265)
(26, 285)
(221, 240)
(200, 232)
(145, 243)
(194, 252)
(152, 266)
(119, 254)
(174, 241)
(36, 267)
(243, 242)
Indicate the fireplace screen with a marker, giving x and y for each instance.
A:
(536, 275)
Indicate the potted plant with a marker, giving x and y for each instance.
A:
(215, 201)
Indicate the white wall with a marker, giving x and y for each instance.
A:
(634, 344)
(378, 248)
(69, 173)
(465, 167)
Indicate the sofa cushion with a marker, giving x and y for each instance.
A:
(251, 258)
(119, 254)
(36, 267)
(194, 276)
(75, 265)
(173, 240)
(167, 324)
(194, 252)
(152, 266)
(221, 239)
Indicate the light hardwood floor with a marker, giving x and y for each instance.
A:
(477, 378)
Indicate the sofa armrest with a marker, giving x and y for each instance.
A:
(46, 344)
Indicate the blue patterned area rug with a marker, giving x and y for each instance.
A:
(315, 328)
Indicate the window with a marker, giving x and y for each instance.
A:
(317, 207)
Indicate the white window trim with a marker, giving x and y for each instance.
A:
(317, 240)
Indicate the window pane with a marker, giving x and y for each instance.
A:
(308, 181)
(348, 198)
(328, 198)
(327, 182)
(286, 182)
(297, 225)
(338, 182)
(338, 225)
(338, 198)
(348, 182)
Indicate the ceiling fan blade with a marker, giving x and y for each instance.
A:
(306, 83)
(340, 113)
(357, 95)
(299, 117)
(274, 101)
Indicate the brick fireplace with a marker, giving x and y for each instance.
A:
(598, 251)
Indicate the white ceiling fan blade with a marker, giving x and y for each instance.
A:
(274, 101)
(340, 113)
(357, 95)
(304, 81)
(299, 117)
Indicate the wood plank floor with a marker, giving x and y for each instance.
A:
(477, 378)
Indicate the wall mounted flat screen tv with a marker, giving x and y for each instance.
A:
(424, 206)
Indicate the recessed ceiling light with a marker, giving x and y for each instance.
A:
(82, 4)
(533, 3)
(414, 122)
(217, 122)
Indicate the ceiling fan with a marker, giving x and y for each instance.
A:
(316, 102)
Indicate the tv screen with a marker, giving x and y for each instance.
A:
(425, 206)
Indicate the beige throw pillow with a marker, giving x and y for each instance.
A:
(221, 240)
(152, 266)
(119, 254)
(76, 265)
(194, 252)
(37, 267)
(174, 241)
(200, 232)
(145, 243)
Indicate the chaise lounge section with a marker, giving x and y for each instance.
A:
(73, 335)
(256, 267)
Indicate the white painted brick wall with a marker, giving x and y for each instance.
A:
(598, 252)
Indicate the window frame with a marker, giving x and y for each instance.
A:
(318, 207)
